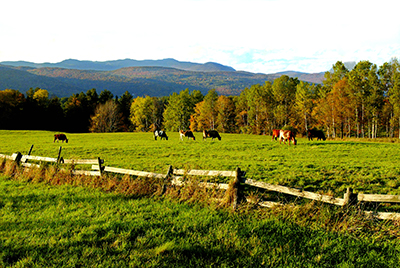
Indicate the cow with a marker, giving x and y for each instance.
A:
(161, 134)
(211, 134)
(60, 137)
(275, 134)
(287, 135)
(315, 133)
(188, 134)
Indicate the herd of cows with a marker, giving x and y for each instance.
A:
(283, 135)
(213, 134)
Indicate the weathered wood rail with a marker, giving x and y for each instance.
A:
(21, 159)
(177, 178)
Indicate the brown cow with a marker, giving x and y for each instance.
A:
(275, 134)
(211, 134)
(188, 134)
(60, 137)
(287, 135)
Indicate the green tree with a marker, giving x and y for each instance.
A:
(388, 74)
(362, 86)
(394, 99)
(35, 109)
(124, 106)
(77, 113)
(304, 103)
(105, 96)
(178, 111)
(284, 93)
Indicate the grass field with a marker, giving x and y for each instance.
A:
(42, 225)
(64, 226)
(326, 166)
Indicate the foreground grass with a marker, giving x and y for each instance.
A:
(330, 166)
(64, 226)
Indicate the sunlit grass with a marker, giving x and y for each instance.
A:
(327, 166)
(66, 226)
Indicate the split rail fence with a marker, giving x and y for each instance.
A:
(177, 178)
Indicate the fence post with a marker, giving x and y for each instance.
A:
(236, 189)
(350, 198)
(170, 172)
(17, 157)
(29, 153)
(59, 155)
(101, 168)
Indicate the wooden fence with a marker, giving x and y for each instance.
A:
(21, 159)
(238, 175)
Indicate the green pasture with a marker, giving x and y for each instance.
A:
(42, 225)
(65, 226)
(319, 166)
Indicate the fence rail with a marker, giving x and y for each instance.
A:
(177, 178)
(296, 192)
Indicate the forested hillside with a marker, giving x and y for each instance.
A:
(153, 78)
(362, 102)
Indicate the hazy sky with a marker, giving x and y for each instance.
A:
(251, 35)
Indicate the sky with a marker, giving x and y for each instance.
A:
(259, 36)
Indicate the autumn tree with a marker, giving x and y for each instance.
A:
(226, 122)
(197, 121)
(141, 113)
(341, 107)
(106, 118)
(205, 112)
(324, 110)
(11, 109)
(242, 111)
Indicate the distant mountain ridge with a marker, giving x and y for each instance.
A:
(151, 77)
(118, 64)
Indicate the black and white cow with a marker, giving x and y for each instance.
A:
(161, 134)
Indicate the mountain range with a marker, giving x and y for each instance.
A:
(146, 77)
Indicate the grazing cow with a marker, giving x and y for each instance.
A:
(60, 137)
(188, 134)
(315, 133)
(211, 134)
(275, 134)
(161, 134)
(287, 135)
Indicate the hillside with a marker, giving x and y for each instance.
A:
(71, 76)
(139, 81)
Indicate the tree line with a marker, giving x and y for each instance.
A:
(362, 102)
